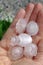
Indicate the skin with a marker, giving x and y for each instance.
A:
(32, 12)
(4, 60)
(3, 52)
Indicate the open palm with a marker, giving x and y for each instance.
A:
(32, 12)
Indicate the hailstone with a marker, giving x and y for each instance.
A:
(21, 25)
(32, 28)
(15, 53)
(30, 50)
(24, 39)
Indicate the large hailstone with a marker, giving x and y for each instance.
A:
(24, 39)
(21, 25)
(15, 53)
(30, 50)
(32, 28)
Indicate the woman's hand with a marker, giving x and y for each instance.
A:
(32, 12)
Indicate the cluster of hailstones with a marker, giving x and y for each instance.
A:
(22, 44)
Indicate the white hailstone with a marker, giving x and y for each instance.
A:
(13, 41)
(30, 50)
(32, 28)
(15, 53)
(24, 39)
(21, 25)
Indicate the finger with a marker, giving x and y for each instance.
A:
(37, 8)
(20, 14)
(29, 10)
(10, 32)
(40, 22)
(39, 56)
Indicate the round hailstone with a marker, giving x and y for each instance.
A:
(32, 28)
(15, 53)
(13, 41)
(24, 39)
(30, 50)
(21, 25)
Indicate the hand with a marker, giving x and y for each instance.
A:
(32, 12)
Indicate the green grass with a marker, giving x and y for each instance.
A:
(4, 25)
